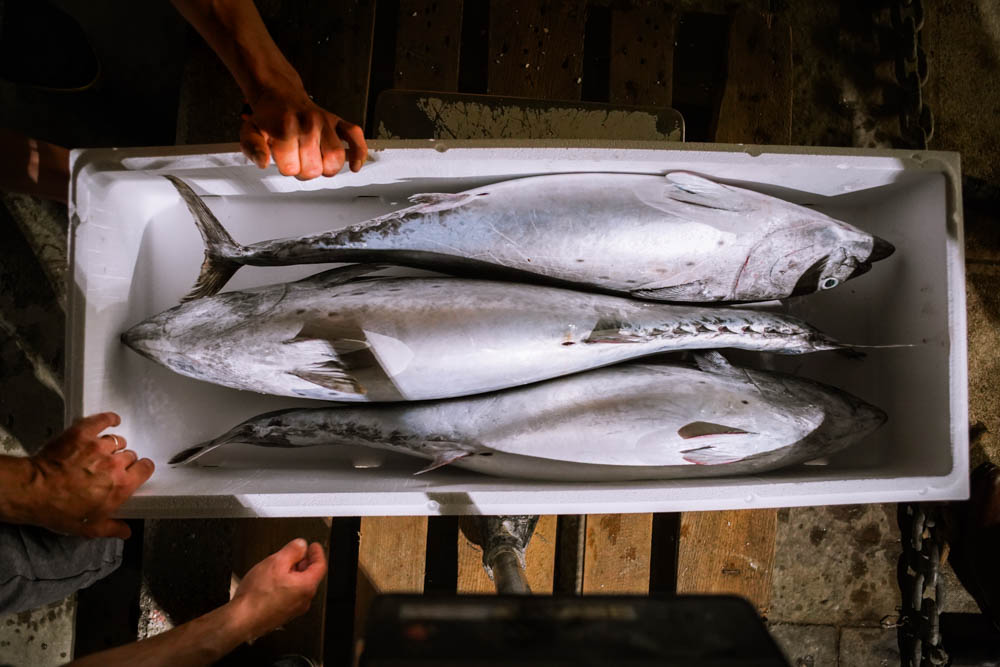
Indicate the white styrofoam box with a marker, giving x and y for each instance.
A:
(136, 251)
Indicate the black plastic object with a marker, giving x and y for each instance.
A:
(476, 631)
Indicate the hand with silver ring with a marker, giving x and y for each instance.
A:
(78, 480)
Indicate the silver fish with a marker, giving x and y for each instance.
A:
(349, 335)
(627, 422)
(678, 238)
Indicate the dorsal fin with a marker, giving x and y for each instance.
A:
(712, 361)
(697, 190)
(430, 202)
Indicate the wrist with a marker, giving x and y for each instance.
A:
(239, 621)
(19, 489)
(274, 84)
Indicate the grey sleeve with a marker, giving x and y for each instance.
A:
(38, 566)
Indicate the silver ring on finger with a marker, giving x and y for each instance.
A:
(118, 442)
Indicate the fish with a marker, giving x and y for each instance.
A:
(679, 237)
(350, 334)
(632, 421)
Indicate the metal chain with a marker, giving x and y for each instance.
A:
(923, 593)
(921, 528)
(916, 122)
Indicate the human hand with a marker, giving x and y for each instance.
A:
(279, 588)
(304, 139)
(81, 477)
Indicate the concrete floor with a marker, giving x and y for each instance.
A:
(834, 593)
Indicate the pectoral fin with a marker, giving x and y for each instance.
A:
(343, 337)
(331, 376)
(343, 274)
(696, 290)
(708, 456)
(699, 429)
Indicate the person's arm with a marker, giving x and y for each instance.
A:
(75, 483)
(33, 166)
(274, 591)
(304, 139)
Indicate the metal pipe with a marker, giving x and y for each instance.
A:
(508, 575)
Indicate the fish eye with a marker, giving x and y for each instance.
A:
(829, 283)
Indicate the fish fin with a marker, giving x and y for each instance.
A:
(693, 189)
(343, 274)
(708, 456)
(443, 458)
(188, 455)
(692, 291)
(343, 337)
(609, 330)
(712, 361)
(221, 251)
(430, 202)
(331, 376)
(699, 429)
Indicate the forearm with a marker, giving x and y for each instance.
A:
(203, 641)
(236, 32)
(33, 166)
(17, 488)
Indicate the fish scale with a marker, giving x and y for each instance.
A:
(677, 238)
(351, 334)
(632, 421)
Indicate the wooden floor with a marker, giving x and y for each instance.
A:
(729, 74)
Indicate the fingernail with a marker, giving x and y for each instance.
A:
(299, 543)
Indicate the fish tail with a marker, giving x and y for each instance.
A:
(222, 253)
(191, 454)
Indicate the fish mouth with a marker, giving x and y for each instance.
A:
(880, 250)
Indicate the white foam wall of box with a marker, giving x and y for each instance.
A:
(135, 252)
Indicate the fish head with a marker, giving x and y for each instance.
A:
(813, 255)
(846, 418)
(179, 338)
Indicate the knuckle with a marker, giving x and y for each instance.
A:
(289, 124)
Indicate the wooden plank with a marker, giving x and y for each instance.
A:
(427, 45)
(539, 558)
(728, 552)
(616, 559)
(733, 551)
(642, 53)
(391, 558)
(257, 539)
(536, 48)
(757, 101)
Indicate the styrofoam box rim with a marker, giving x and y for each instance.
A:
(877, 166)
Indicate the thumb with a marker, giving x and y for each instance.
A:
(109, 528)
(291, 553)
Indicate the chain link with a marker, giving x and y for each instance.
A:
(916, 122)
(922, 588)
(922, 533)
